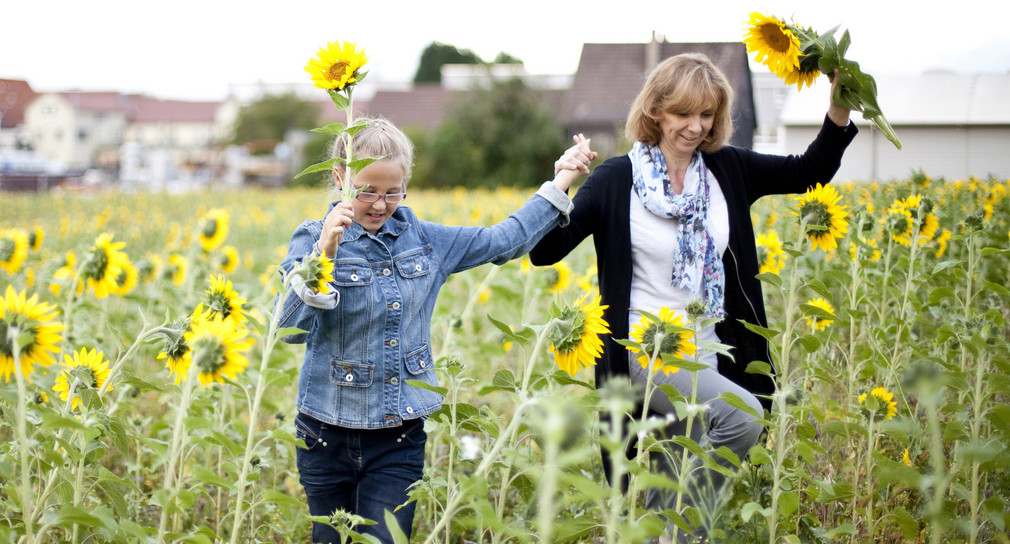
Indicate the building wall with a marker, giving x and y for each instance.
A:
(71, 138)
(952, 152)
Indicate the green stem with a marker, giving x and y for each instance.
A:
(178, 429)
(22, 431)
(270, 342)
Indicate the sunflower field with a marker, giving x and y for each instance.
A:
(145, 397)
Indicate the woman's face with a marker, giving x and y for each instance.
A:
(683, 131)
(382, 178)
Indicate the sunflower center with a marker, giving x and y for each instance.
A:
(338, 70)
(6, 249)
(208, 354)
(97, 264)
(210, 228)
(572, 329)
(670, 344)
(817, 216)
(219, 302)
(774, 37)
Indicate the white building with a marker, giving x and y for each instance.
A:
(950, 125)
(74, 128)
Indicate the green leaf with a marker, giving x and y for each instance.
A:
(752, 508)
(771, 279)
(332, 128)
(768, 334)
(906, 522)
(759, 367)
(339, 100)
(290, 331)
(997, 288)
(735, 401)
(425, 385)
(320, 167)
(359, 164)
(204, 475)
(810, 343)
(789, 502)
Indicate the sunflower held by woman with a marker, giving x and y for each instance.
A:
(336, 66)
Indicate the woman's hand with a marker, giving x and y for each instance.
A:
(337, 220)
(573, 163)
(837, 114)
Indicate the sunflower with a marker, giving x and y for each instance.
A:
(216, 348)
(176, 352)
(149, 267)
(676, 339)
(13, 249)
(825, 219)
(32, 323)
(317, 272)
(770, 253)
(176, 269)
(560, 276)
(35, 237)
(941, 242)
(899, 222)
(775, 45)
(336, 65)
(917, 208)
(881, 404)
(820, 323)
(103, 264)
(871, 244)
(806, 71)
(127, 279)
(214, 229)
(228, 260)
(86, 370)
(65, 274)
(905, 459)
(221, 299)
(576, 343)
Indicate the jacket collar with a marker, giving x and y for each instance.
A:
(396, 224)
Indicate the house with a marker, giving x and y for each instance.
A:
(15, 95)
(610, 76)
(74, 128)
(950, 125)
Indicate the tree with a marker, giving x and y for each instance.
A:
(429, 68)
(271, 117)
(502, 135)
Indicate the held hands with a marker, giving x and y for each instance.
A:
(573, 163)
(337, 220)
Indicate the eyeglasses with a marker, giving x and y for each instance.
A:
(390, 198)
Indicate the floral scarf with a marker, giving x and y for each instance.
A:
(696, 265)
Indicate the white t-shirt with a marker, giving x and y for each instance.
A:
(653, 243)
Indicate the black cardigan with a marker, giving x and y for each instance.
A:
(602, 207)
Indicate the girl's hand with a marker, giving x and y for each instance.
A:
(337, 220)
(573, 163)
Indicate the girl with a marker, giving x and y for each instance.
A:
(363, 426)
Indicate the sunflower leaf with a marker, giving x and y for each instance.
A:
(332, 128)
(320, 167)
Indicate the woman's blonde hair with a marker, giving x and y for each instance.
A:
(688, 82)
(381, 138)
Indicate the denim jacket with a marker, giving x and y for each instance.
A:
(373, 331)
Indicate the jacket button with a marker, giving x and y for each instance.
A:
(386, 272)
(422, 363)
(417, 267)
(393, 342)
(349, 378)
(394, 380)
(354, 277)
(410, 410)
(396, 305)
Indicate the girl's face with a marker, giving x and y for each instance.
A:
(382, 178)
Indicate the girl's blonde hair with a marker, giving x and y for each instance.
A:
(688, 82)
(381, 138)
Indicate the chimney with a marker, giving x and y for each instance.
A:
(652, 50)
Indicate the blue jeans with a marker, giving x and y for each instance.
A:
(362, 471)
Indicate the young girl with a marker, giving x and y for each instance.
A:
(363, 426)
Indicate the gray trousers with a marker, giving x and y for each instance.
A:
(719, 425)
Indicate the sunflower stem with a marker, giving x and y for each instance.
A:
(22, 431)
(171, 483)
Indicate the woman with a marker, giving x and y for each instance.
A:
(671, 224)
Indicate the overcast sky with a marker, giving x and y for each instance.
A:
(193, 49)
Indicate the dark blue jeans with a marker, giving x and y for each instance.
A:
(362, 471)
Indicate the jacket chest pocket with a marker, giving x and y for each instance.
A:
(351, 374)
(413, 266)
(416, 278)
(351, 275)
